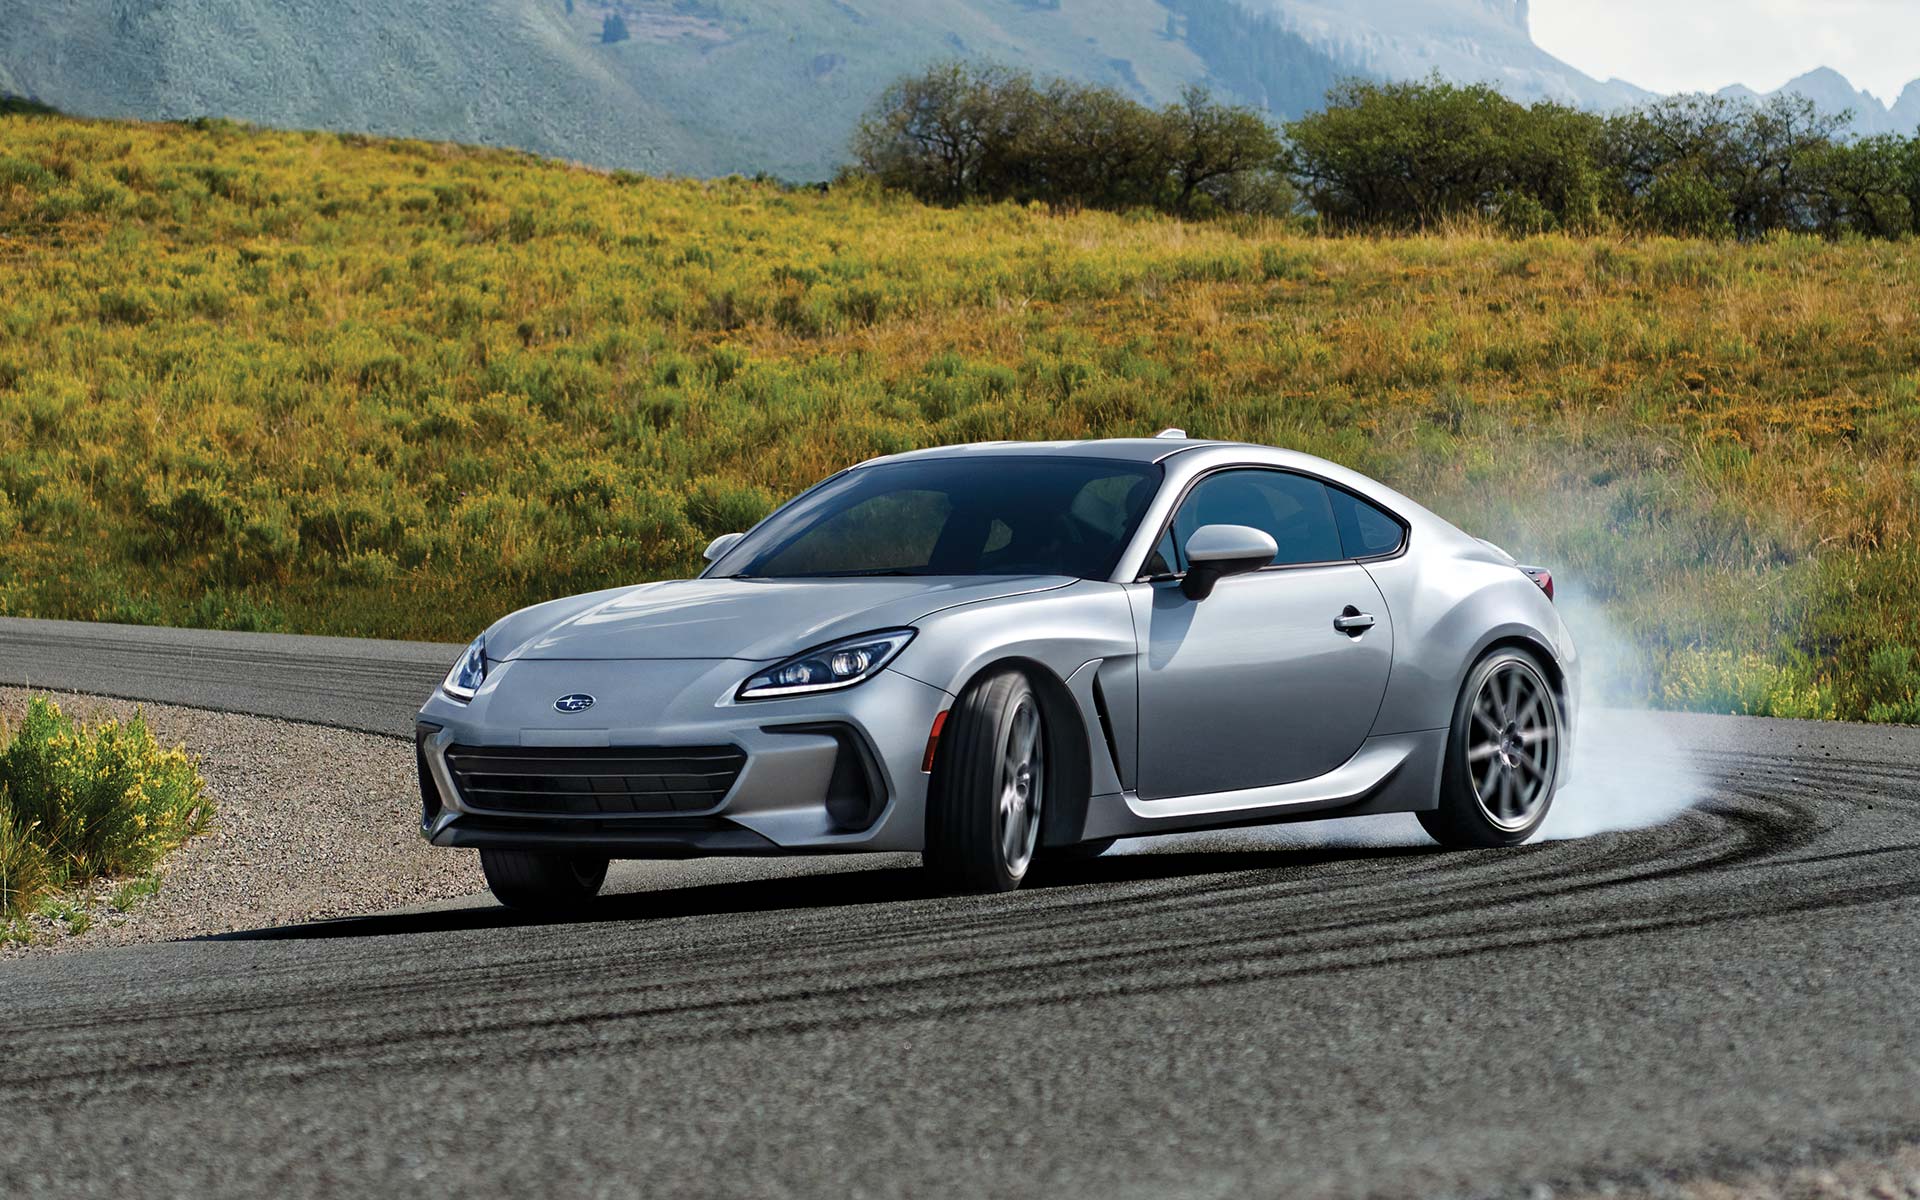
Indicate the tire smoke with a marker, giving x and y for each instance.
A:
(1628, 770)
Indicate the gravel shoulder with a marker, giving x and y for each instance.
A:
(311, 823)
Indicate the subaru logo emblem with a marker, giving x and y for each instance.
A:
(578, 702)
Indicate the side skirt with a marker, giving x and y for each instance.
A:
(1397, 772)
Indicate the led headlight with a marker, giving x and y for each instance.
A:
(825, 668)
(469, 673)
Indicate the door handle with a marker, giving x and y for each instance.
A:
(1353, 622)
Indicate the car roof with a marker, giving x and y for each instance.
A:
(1124, 449)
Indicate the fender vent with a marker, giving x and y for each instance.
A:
(1106, 725)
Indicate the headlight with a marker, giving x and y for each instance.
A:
(824, 668)
(469, 673)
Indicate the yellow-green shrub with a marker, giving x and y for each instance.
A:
(1744, 684)
(99, 801)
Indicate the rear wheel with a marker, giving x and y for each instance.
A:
(1503, 755)
(549, 883)
(989, 787)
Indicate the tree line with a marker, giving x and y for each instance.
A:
(959, 132)
(1395, 156)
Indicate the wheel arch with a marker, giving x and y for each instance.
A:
(1537, 649)
(1064, 813)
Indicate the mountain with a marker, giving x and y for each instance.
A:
(1490, 41)
(696, 87)
(1832, 92)
(1468, 41)
(707, 87)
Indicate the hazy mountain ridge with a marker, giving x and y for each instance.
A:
(705, 87)
(697, 87)
(1468, 41)
(1492, 41)
(1833, 92)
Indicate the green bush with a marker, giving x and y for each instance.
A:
(1686, 203)
(24, 877)
(1893, 686)
(92, 802)
(1753, 685)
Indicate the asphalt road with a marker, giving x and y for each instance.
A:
(1738, 985)
(346, 682)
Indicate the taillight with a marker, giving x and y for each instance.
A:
(1541, 576)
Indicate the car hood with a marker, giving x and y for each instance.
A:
(752, 619)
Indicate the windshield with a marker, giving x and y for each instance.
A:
(1012, 515)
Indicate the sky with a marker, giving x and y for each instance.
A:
(1703, 45)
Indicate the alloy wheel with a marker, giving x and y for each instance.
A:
(1513, 745)
(1020, 783)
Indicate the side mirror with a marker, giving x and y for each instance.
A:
(720, 545)
(1216, 551)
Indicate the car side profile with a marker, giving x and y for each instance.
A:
(1000, 653)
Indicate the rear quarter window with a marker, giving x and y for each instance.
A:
(1365, 531)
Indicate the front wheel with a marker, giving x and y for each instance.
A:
(1503, 755)
(989, 787)
(549, 883)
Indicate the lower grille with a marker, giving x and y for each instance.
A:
(589, 782)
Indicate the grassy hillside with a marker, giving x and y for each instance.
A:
(322, 383)
(697, 87)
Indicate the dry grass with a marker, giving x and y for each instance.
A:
(344, 385)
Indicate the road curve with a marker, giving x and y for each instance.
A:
(1220, 1017)
(351, 683)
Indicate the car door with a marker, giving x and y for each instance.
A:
(1256, 685)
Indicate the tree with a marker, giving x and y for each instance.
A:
(1089, 146)
(1755, 158)
(613, 29)
(948, 133)
(1862, 186)
(1409, 154)
(1212, 147)
(957, 132)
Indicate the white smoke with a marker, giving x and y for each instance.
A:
(1628, 769)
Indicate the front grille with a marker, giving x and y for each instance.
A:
(617, 781)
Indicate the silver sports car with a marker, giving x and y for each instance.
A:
(1000, 654)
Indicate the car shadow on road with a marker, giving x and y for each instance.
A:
(822, 889)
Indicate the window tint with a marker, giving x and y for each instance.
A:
(969, 515)
(1365, 531)
(1293, 509)
(897, 528)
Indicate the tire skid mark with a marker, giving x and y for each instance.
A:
(294, 1064)
(1256, 936)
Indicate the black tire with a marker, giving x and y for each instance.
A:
(976, 789)
(1503, 757)
(548, 883)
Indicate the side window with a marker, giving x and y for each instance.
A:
(1295, 510)
(1365, 531)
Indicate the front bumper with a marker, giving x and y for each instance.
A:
(837, 771)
